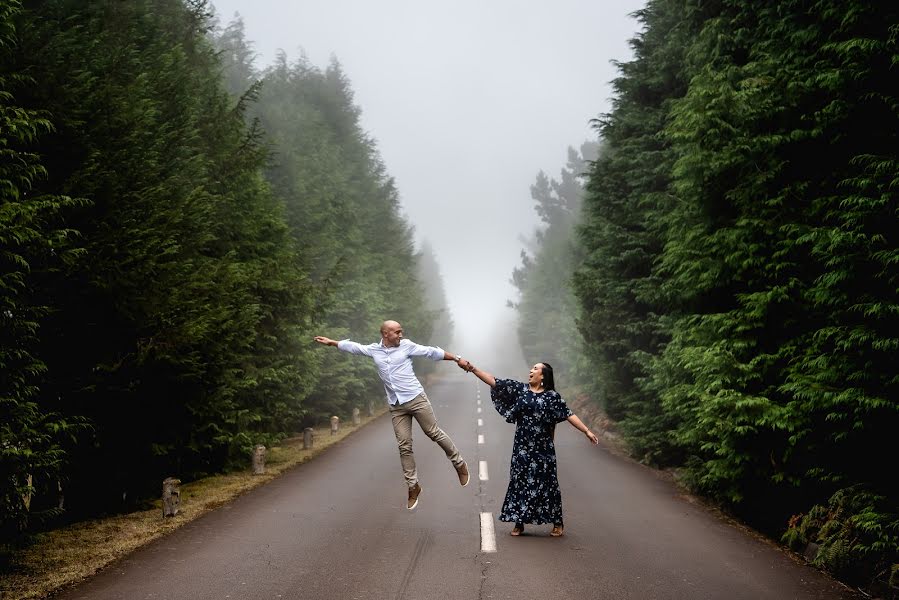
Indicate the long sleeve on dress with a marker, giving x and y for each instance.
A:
(505, 399)
(556, 410)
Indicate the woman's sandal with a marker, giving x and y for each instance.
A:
(557, 531)
(516, 531)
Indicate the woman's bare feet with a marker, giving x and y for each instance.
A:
(516, 531)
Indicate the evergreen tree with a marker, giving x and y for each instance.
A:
(622, 311)
(739, 291)
(176, 323)
(344, 216)
(780, 245)
(547, 306)
(436, 307)
(237, 57)
(32, 236)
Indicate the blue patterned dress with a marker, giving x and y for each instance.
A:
(533, 495)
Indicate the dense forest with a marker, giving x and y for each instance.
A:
(175, 226)
(736, 268)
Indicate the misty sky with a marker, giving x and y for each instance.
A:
(467, 101)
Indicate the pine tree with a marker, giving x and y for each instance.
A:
(547, 306)
(174, 332)
(344, 216)
(623, 311)
(435, 304)
(32, 236)
(781, 370)
(739, 291)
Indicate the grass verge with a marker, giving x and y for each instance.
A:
(63, 557)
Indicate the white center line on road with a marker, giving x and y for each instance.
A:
(482, 470)
(480, 422)
(480, 438)
(479, 410)
(488, 536)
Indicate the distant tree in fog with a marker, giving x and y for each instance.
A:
(342, 208)
(435, 305)
(546, 307)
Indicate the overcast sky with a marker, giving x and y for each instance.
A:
(467, 101)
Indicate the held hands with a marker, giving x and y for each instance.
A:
(479, 373)
(465, 365)
(323, 340)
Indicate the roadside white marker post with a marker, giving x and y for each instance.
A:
(259, 460)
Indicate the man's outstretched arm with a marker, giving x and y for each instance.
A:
(347, 346)
(451, 356)
(432, 352)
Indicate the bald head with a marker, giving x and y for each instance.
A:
(391, 333)
(389, 325)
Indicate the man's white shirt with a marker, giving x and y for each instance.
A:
(395, 365)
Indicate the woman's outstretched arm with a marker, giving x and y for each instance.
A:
(579, 425)
(482, 375)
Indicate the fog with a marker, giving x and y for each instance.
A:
(467, 102)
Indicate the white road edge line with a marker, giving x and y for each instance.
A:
(488, 536)
(482, 470)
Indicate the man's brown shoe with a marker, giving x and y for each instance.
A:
(414, 491)
(462, 471)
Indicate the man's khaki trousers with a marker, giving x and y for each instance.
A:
(420, 408)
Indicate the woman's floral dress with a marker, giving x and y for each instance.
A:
(533, 495)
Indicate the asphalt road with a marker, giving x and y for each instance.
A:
(337, 527)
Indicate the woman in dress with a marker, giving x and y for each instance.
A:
(535, 407)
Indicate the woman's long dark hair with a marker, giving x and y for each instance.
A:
(548, 382)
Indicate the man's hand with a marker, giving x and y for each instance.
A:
(465, 365)
(323, 340)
